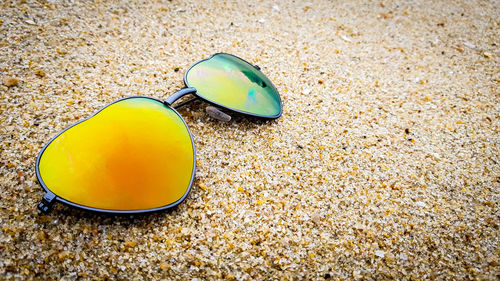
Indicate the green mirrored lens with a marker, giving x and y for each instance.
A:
(235, 84)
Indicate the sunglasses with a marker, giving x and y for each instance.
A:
(137, 154)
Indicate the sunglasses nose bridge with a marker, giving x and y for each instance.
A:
(177, 95)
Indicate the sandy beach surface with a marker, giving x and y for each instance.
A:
(384, 164)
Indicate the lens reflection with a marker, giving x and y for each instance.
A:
(135, 154)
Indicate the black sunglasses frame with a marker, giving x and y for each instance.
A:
(50, 197)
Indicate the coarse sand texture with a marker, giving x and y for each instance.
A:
(383, 165)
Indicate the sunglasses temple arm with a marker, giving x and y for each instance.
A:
(177, 95)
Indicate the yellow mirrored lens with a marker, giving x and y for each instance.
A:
(135, 154)
(232, 82)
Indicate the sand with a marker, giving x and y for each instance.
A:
(384, 164)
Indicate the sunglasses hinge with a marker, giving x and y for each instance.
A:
(177, 95)
(46, 204)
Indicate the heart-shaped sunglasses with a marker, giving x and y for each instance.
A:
(136, 154)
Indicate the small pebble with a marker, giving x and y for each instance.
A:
(40, 73)
(469, 45)
(421, 204)
(345, 38)
(11, 82)
(380, 253)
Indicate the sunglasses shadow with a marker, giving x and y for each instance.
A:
(198, 109)
(64, 214)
